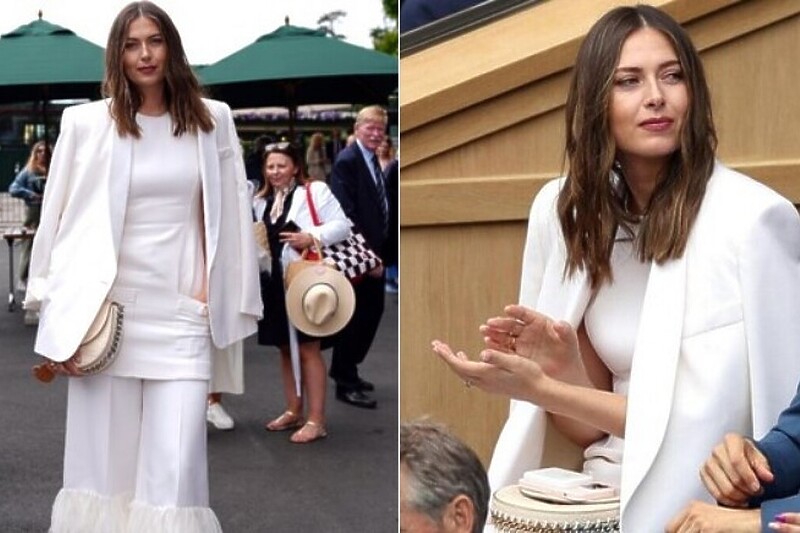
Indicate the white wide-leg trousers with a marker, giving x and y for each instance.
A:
(135, 458)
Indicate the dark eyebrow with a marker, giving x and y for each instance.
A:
(662, 66)
(146, 37)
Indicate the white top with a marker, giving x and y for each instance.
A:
(161, 271)
(612, 323)
(164, 216)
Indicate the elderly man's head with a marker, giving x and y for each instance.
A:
(443, 485)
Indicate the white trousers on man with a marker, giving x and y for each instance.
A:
(135, 458)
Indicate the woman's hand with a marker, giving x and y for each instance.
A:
(553, 345)
(297, 240)
(735, 471)
(376, 272)
(595, 411)
(67, 368)
(702, 517)
(498, 373)
(45, 372)
(788, 522)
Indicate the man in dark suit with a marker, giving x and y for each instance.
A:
(359, 184)
(746, 473)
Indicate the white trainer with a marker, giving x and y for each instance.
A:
(31, 318)
(218, 417)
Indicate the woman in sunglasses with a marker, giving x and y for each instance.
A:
(283, 206)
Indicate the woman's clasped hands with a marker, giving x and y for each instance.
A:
(526, 357)
(297, 239)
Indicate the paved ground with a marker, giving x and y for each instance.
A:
(259, 481)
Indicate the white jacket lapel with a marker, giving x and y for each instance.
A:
(209, 167)
(655, 362)
(119, 180)
(564, 299)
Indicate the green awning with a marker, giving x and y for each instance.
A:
(41, 60)
(294, 66)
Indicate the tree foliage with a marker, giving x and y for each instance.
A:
(385, 39)
(327, 21)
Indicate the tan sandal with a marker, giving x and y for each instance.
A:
(287, 420)
(310, 432)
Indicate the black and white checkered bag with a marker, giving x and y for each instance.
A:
(352, 256)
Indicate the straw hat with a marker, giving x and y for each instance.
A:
(319, 300)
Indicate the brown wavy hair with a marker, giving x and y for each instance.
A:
(183, 93)
(592, 204)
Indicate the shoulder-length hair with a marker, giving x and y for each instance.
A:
(183, 93)
(592, 205)
(289, 150)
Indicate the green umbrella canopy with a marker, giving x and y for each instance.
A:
(294, 66)
(41, 60)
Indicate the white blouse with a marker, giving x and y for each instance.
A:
(612, 324)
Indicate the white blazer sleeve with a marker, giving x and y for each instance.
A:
(521, 442)
(56, 193)
(769, 270)
(250, 296)
(335, 225)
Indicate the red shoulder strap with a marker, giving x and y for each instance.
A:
(311, 207)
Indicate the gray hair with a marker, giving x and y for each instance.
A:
(372, 112)
(441, 467)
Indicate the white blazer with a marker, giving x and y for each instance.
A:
(334, 224)
(718, 347)
(74, 258)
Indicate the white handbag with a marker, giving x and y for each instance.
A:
(99, 347)
(512, 511)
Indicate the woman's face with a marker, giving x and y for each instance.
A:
(144, 54)
(649, 98)
(383, 148)
(279, 169)
(40, 155)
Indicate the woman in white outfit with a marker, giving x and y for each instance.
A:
(665, 285)
(282, 204)
(147, 206)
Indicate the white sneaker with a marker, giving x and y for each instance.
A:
(216, 415)
(31, 318)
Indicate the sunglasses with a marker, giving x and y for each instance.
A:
(283, 145)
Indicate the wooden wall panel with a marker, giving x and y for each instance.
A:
(527, 147)
(501, 112)
(443, 299)
(754, 92)
(529, 45)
